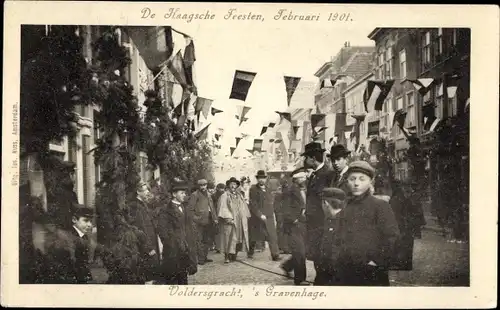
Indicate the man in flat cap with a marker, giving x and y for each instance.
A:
(294, 225)
(205, 218)
(368, 232)
(322, 176)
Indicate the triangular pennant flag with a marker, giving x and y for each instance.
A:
(215, 111)
(271, 125)
(375, 94)
(189, 54)
(295, 130)
(243, 113)
(327, 83)
(290, 85)
(217, 136)
(250, 151)
(241, 84)
(284, 116)
(422, 85)
(232, 150)
(202, 134)
(200, 103)
(176, 66)
(452, 91)
(263, 131)
(238, 139)
(317, 120)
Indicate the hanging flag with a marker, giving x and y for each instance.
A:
(241, 84)
(355, 134)
(373, 128)
(182, 108)
(284, 116)
(399, 118)
(430, 123)
(422, 85)
(201, 103)
(271, 125)
(177, 94)
(290, 85)
(340, 121)
(215, 111)
(189, 54)
(232, 150)
(176, 66)
(217, 136)
(327, 83)
(375, 94)
(202, 134)
(257, 144)
(263, 131)
(238, 139)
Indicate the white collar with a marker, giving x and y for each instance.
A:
(80, 233)
(319, 167)
(139, 197)
(176, 202)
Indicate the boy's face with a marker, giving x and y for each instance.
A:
(83, 223)
(180, 196)
(261, 181)
(358, 183)
(340, 163)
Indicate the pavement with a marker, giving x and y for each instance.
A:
(435, 263)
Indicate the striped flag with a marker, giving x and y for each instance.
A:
(422, 85)
(430, 123)
(375, 94)
(176, 66)
(290, 85)
(241, 84)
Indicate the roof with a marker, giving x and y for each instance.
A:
(342, 57)
(358, 65)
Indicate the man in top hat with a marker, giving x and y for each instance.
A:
(262, 223)
(368, 232)
(321, 177)
(294, 221)
(339, 156)
(205, 219)
(234, 214)
(176, 230)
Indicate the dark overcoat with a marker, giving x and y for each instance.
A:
(175, 227)
(319, 180)
(203, 206)
(261, 203)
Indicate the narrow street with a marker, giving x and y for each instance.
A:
(436, 263)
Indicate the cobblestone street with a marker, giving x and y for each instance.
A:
(436, 263)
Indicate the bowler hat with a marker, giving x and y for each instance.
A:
(179, 185)
(338, 150)
(334, 193)
(231, 180)
(261, 174)
(313, 148)
(80, 210)
(362, 167)
(202, 182)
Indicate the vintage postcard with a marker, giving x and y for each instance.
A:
(251, 155)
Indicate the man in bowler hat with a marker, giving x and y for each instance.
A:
(262, 225)
(320, 178)
(339, 156)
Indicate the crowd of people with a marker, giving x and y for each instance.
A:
(325, 213)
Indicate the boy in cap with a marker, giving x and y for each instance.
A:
(321, 177)
(368, 232)
(294, 207)
(175, 226)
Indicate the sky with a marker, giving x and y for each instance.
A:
(271, 52)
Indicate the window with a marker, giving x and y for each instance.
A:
(452, 106)
(410, 110)
(426, 49)
(439, 101)
(439, 42)
(380, 69)
(400, 103)
(388, 63)
(402, 64)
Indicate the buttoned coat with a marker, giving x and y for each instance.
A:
(203, 206)
(261, 203)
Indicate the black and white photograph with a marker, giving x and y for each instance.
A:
(200, 147)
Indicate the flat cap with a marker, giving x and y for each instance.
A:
(334, 193)
(362, 167)
(221, 186)
(202, 182)
(80, 210)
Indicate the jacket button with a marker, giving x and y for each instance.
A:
(330, 229)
